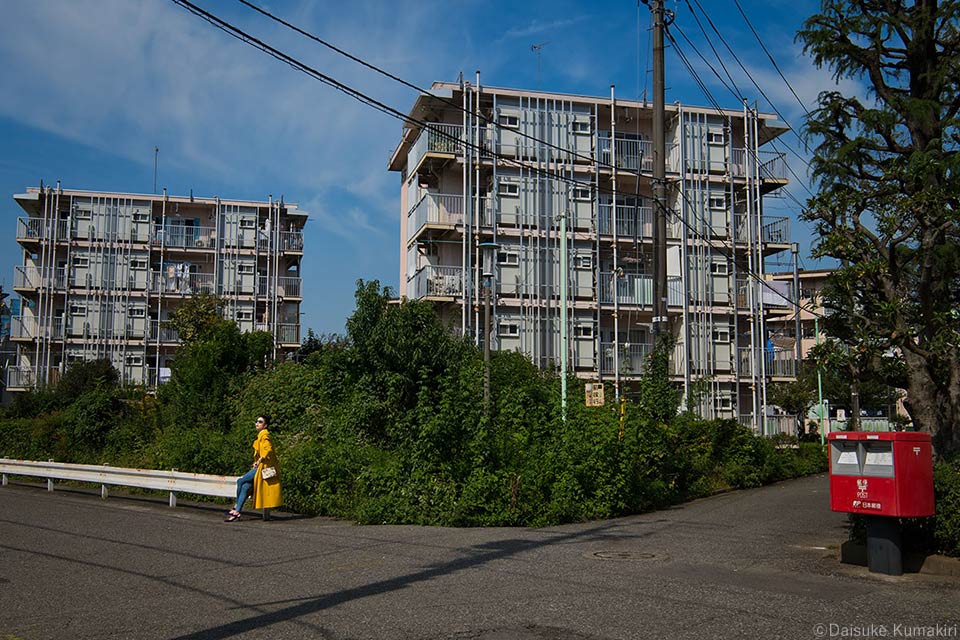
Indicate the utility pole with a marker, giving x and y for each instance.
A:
(537, 48)
(659, 175)
(156, 160)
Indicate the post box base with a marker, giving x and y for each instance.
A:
(884, 554)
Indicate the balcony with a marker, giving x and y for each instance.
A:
(773, 294)
(183, 237)
(163, 333)
(442, 139)
(637, 289)
(774, 230)
(631, 154)
(773, 164)
(436, 282)
(170, 282)
(288, 334)
(23, 378)
(779, 362)
(291, 241)
(632, 358)
(434, 209)
(287, 287)
(632, 221)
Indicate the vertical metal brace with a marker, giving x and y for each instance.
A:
(104, 494)
(173, 497)
(50, 480)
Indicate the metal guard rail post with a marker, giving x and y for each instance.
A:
(172, 481)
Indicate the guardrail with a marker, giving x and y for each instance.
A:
(172, 481)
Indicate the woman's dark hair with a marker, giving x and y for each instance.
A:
(266, 419)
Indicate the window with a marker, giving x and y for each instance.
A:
(719, 268)
(78, 310)
(718, 202)
(141, 216)
(583, 262)
(508, 121)
(137, 312)
(583, 331)
(721, 334)
(82, 214)
(508, 189)
(138, 263)
(715, 137)
(248, 223)
(723, 403)
(509, 329)
(135, 361)
(582, 126)
(245, 268)
(508, 257)
(244, 315)
(81, 261)
(580, 193)
(75, 357)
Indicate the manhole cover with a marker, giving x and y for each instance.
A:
(622, 555)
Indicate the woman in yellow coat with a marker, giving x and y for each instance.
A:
(266, 490)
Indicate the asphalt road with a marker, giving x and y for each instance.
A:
(750, 564)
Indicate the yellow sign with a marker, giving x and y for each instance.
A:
(594, 394)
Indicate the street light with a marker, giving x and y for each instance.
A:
(488, 255)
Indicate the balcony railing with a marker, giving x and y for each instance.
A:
(436, 281)
(774, 230)
(637, 289)
(632, 357)
(164, 333)
(287, 287)
(632, 154)
(183, 237)
(291, 241)
(773, 164)
(779, 362)
(22, 377)
(436, 138)
(435, 209)
(170, 282)
(288, 333)
(776, 295)
(632, 221)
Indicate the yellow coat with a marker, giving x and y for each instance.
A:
(266, 493)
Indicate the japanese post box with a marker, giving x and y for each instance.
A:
(881, 474)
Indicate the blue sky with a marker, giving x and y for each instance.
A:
(89, 87)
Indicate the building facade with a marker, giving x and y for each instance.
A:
(561, 186)
(102, 272)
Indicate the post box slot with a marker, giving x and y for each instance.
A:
(845, 458)
(878, 459)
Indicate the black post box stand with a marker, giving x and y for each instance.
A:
(884, 545)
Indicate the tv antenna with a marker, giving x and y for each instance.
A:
(537, 48)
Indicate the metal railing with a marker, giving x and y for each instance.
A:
(438, 138)
(437, 281)
(183, 237)
(288, 333)
(181, 283)
(632, 221)
(632, 357)
(749, 289)
(165, 334)
(637, 289)
(291, 241)
(774, 230)
(435, 209)
(287, 286)
(780, 362)
(21, 377)
(171, 481)
(773, 164)
(631, 154)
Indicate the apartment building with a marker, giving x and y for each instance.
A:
(102, 272)
(803, 321)
(554, 190)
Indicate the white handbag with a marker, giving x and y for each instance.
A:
(268, 472)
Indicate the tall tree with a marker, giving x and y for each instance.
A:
(887, 166)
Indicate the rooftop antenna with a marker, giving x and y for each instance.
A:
(536, 48)
(156, 158)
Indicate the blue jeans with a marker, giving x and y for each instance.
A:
(244, 484)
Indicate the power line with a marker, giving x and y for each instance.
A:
(246, 38)
(772, 61)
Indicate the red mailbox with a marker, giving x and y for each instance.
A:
(881, 474)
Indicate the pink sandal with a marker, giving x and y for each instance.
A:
(232, 515)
